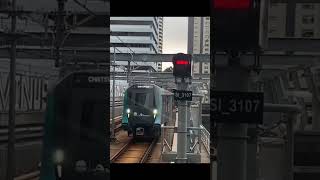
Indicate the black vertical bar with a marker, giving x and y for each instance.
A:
(12, 111)
(290, 18)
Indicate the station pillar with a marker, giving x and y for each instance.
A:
(182, 127)
(232, 137)
(316, 113)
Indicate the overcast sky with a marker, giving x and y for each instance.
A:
(175, 36)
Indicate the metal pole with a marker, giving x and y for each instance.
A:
(232, 138)
(290, 144)
(200, 112)
(59, 34)
(252, 136)
(113, 96)
(128, 72)
(200, 123)
(315, 113)
(188, 125)
(182, 127)
(12, 112)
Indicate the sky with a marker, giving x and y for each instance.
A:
(175, 37)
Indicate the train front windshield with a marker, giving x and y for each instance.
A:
(141, 98)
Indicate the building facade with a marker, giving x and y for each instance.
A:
(136, 35)
(199, 41)
(307, 20)
(159, 64)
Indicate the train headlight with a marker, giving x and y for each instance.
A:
(128, 112)
(155, 111)
(58, 156)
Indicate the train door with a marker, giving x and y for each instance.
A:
(76, 144)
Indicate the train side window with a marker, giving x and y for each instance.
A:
(86, 121)
(90, 124)
(86, 114)
(130, 98)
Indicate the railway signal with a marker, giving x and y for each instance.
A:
(182, 65)
(236, 24)
(182, 70)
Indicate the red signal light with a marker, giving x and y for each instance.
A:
(231, 4)
(182, 62)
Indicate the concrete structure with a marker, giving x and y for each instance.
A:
(199, 41)
(160, 19)
(307, 20)
(159, 64)
(135, 35)
(199, 35)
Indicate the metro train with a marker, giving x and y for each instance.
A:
(75, 144)
(144, 108)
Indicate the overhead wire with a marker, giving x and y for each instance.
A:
(49, 55)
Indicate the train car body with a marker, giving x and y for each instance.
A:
(75, 142)
(143, 110)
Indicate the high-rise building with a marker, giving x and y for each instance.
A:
(307, 20)
(135, 35)
(159, 64)
(160, 34)
(199, 35)
(199, 41)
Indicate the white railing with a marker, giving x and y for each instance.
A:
(205, 138)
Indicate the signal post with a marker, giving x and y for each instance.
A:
(236, 30)
(182, 74)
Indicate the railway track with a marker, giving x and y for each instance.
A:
(134, 152)
(23, 133)
(29, 176)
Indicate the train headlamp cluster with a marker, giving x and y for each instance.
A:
(58, 156)
(155, 112)
(128, 112)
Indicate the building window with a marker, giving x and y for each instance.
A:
(307, 6)
(272, 31)
(308, 19)
(307, 33)
(206, 67)
(273, 18)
